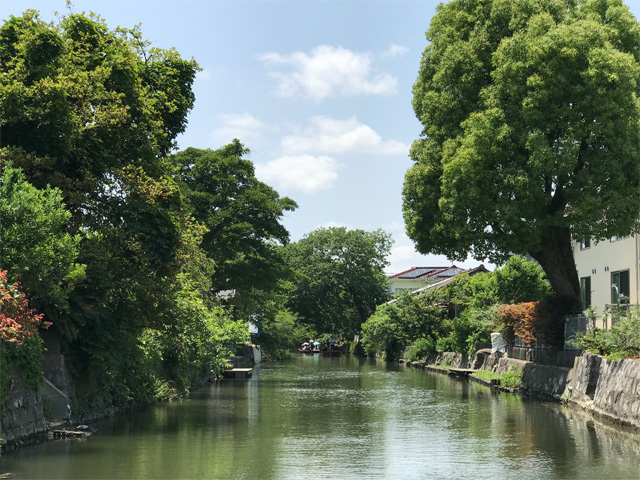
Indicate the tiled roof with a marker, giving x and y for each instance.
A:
(424, 273)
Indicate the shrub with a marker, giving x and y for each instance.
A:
(520, 320)
(421, 348)
(21, 344)
(622, 340)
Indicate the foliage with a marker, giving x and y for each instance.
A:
(196, 340)
(622, 340)
(340, 278)
(242, 216)
(18, 322)
(80, 101)
(90, 115)
(421, 348)
(520, 280)
(395, 326)
(280, 332)
(538, 322)
(480, 323)
(20, 344)
(383, 334)
(520, 320)
(510, 379)
(36, 249)
(464, 312)
(535, 101)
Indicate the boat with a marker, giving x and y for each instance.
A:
(309, 348)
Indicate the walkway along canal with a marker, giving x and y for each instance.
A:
(340, 418)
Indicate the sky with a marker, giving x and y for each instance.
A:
(319, 90)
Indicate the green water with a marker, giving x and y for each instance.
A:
(342, 418)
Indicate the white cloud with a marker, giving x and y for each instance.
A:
(394, 51)
(301, 173)
(327, 135)
(244, 127)
(327, 72)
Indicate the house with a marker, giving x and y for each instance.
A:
(609, 272)
(420, 277)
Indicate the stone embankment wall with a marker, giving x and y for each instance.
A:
(610, 390)
(543, 382)
(21, 414)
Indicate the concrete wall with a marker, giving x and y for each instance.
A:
(607, 389)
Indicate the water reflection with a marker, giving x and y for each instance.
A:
(340, 418)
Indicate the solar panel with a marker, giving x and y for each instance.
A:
(416, 273)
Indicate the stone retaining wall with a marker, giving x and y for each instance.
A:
(610, 390)
(21, 414)
(544, 382)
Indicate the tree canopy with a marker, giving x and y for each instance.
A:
(531, 136)
(104, 236)
(242, 215)
(340, 277)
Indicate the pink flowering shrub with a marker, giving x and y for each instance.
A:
(18, 322)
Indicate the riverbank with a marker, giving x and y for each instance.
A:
(28, 415)
(607, 390)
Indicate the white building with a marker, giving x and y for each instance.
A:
(609, 272)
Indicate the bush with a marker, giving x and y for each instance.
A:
(421, 348)
(622, 340)
(20, 344)
(519, 320)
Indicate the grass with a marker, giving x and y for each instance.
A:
(511, 379)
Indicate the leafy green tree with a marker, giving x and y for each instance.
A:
(396, 325)
(243, 216)
(80, 101)
(341, 278)
(530, 112)
(520, 281)
(94, 113)
(35, 248)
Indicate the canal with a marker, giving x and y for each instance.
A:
(339, 418)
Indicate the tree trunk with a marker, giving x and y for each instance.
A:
(556, 259)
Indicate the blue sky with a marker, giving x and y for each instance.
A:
(318, 90)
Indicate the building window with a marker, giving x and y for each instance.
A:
(620, 287)
(585, 244)
(585, 286)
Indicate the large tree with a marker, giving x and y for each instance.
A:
(242, 214)
(341, 278)
(531, 137)
(94, 112)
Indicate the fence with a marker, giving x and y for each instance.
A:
(546, 355)
(574, 326)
